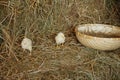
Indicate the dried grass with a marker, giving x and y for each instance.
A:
(40, 20)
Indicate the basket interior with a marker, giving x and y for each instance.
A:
(99, 30)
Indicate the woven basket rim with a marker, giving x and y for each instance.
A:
(90, 36)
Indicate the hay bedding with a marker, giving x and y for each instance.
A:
(42, 19)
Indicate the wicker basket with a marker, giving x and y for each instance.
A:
(99, 36)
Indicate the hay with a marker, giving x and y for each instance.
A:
(40, 20)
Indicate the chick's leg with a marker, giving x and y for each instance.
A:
(30, 54)
(62, 44)
(57, 46)
(23, 50)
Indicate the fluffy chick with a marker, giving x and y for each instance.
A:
(60, 38)
(27, 44)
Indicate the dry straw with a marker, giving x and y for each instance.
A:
(40, 20)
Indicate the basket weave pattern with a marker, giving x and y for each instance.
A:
(105, 38)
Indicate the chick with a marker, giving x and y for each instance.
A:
(27, 44)
(60, 38)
